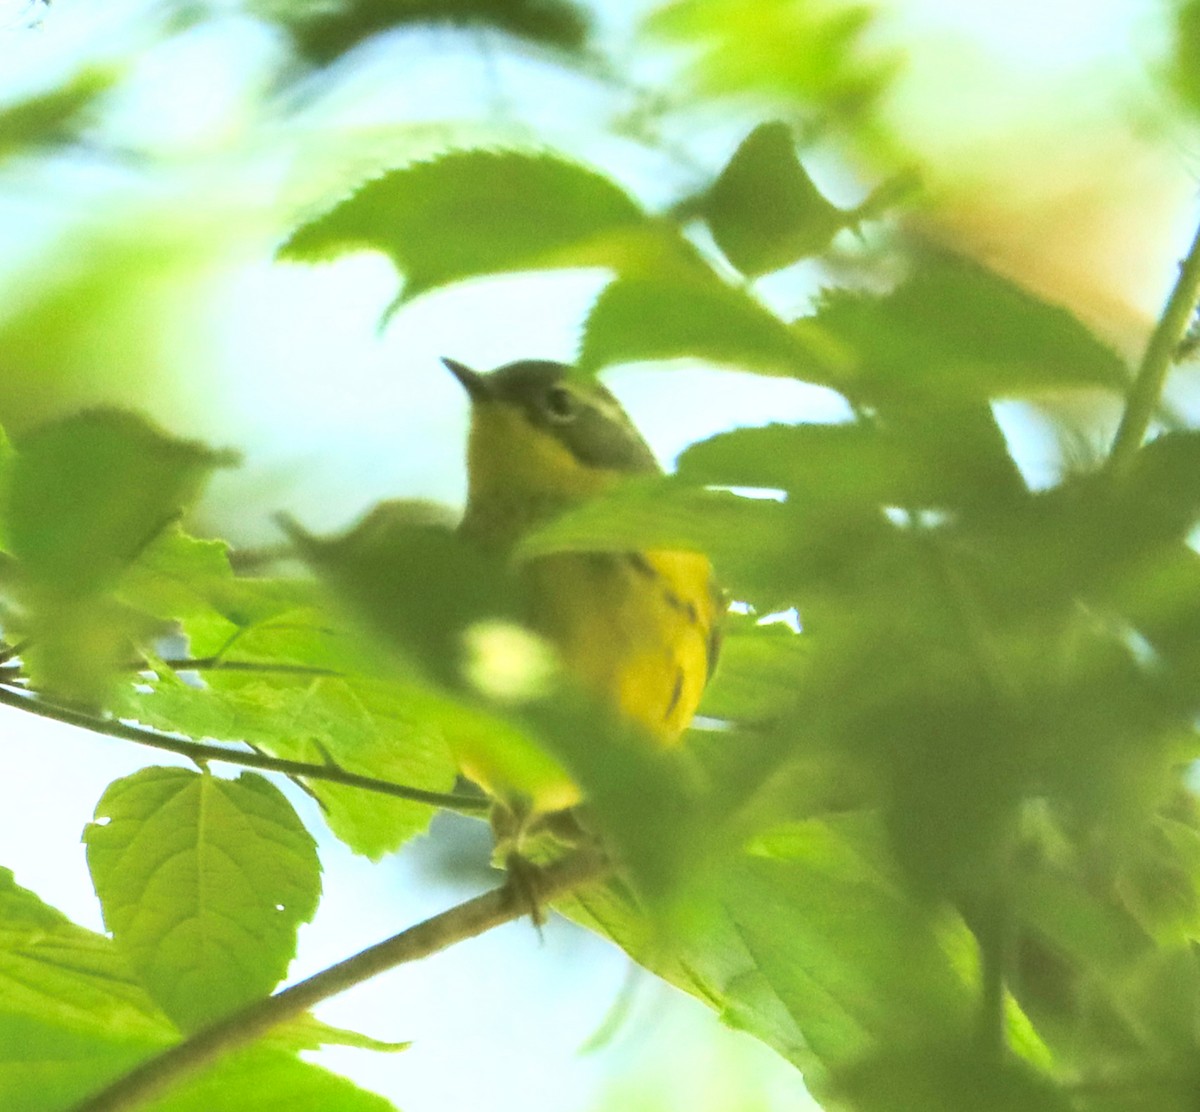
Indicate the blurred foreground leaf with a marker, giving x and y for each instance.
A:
(698, 317)
(859, 965)
(53, 117)
(764, 210)
(954, 330)
(324, 32)
(1186, 68)
(482, 212)
(811, 54)
(87, 494)
(126, 284)
(82, 498)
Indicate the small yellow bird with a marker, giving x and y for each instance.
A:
(639, 629)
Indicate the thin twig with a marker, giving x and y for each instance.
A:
(1147, 387)
(200, 752)
(219, 663)
(467, 920)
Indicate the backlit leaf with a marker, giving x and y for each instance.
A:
(764, 210)
(955, 330)
(204, 883)
(83, 497)
(51, 117)
(698, 317)
(483, 212)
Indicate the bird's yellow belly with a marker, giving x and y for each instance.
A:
(634, 628)
(637, 630)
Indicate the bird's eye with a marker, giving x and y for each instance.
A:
(560, 403)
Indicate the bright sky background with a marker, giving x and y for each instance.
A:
(288, 363)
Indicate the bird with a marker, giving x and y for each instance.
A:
(639, 630)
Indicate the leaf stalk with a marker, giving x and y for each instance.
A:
(1146, 390)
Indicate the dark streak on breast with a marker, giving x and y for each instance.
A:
(641, 565)
(644, 568)
(676, 692)
(714, 650)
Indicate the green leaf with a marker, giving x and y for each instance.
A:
(285, 675)
(126, 281)
(373, 727)
(764, 211)
(48, 1066)
(262, 1078)
(52, 117)
(759, 669)
(71, 1012)
(88, 493)
(810, 54)
(1161, 992)
(73, 1019)
(308, 1033)
(181, 579)
(1162, 489)
(664, 849)
(944, 1078)
(852, 465)
(204, 883)
(810, 944)
(912, 457)
(1186, 67)
(1082, 956)
(53, 969)
(270, 1081)
(696, 316)
(83, 498)
(748, 539)
(427, 597)
(324, 31)
(411, 576)
(954, 330)
(484, 212)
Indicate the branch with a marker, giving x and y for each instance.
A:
(467, 920)
(1146, 390)
(200, 752)
(10, 672)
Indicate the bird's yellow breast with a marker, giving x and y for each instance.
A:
(637, 628)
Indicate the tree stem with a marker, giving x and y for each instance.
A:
(1146, 389)
(467, 920)
(200, 752)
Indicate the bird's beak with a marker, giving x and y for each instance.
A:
(475, 384)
